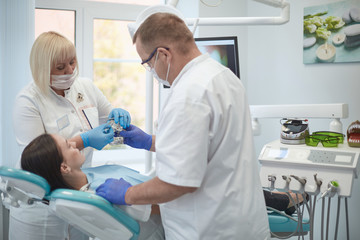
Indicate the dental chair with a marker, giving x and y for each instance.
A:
(90, 213)
(93, 214)
(286, 226)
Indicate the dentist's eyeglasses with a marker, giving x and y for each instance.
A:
(146, 62)
(327, 139)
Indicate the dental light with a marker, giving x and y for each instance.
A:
(233, 21)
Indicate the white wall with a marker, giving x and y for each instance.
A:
(2, 49)
(272, 69)
(17, 21)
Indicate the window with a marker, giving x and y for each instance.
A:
(61, 21)
(117, 69)
(120, 76)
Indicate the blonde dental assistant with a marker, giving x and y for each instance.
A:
(58, 101)
(207, 182)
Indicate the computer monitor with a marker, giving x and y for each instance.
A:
(222, 49)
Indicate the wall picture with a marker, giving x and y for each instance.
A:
(331, 33)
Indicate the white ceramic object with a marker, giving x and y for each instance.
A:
(309, 42)
(326, 53)
(338, 39)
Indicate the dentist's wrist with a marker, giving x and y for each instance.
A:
(148, 142)
(85, 139)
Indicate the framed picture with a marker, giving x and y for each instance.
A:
(331, 33)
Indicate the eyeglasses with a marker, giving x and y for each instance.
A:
(327, 139)
(146, 63)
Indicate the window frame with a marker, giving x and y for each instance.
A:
(85, 13)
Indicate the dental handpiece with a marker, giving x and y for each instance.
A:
(332, 189)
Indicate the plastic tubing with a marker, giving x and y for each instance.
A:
(302, 214)
(312, 210)
(328, 220)
(347, 220)
(322, 218)
(312, 219)
(337, 217)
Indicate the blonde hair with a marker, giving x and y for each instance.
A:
(49, 49)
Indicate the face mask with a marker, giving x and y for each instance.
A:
(62, 82)
(165, 82)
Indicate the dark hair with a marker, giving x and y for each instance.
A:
(42, 157)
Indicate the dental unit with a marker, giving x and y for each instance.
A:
(317, 171)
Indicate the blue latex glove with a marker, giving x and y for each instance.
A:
(98, 137)
(121, 116)
(114, 190)
(136, 138)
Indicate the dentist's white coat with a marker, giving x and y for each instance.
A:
(204, 140)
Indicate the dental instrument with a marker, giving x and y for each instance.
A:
(117, 129)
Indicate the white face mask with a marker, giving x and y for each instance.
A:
(165, 82)
(62, 82)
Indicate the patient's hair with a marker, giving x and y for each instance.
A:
(43, 158)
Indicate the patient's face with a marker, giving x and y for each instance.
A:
(71, 154)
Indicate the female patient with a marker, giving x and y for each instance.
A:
(59, 162)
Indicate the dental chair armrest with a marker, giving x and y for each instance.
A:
(94, 210)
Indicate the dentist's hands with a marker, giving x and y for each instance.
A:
(114, 190)
(121, 116)
(98, 137)
(136, 138)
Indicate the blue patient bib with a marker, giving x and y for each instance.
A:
(98, 175)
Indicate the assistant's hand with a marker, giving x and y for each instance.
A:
(114, 190)
(136, 138)
(121, 116)
(98, 137)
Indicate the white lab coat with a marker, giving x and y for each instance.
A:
(35, 114)
(204, 140)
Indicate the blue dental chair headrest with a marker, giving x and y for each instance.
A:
(26, 181)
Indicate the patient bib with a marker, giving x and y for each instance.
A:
(98, 175)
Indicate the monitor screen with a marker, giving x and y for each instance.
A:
(222, 49)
